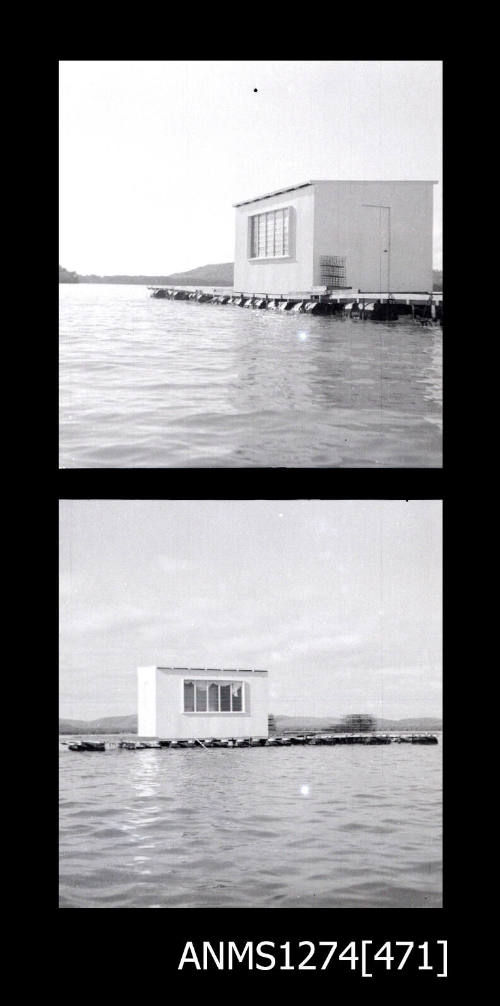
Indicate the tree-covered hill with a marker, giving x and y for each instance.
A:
(65, 276)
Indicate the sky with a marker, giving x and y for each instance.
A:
(153, 154)
(340, 600)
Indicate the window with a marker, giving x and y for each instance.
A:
(269, 234)
(213, 697)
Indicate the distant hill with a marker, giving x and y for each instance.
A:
(218, 274)
(65, 276)
(284, 724)
(311, 724)
(299, 724)
(129, 280)
(221, 274)
(423, 723)
(107, 725)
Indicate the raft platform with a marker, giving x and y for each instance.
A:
(286, 740)
(423, 307)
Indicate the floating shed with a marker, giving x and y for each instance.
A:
(202, 702)
(348, 235)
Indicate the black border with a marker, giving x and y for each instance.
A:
(156, 945)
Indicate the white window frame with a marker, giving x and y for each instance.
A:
(213, 712)
(255, 242)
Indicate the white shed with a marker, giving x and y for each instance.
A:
(177, 703)
(366, 236)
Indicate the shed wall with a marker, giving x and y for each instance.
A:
(171, 722)
(280, 275)
(146, 701)
(345, 226)
(332, 218)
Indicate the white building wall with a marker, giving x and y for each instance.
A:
(281, 275)
(146, 701)
(345, 226)
(171, 722)
(332, 218)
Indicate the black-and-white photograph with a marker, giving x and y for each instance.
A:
(250, 264)
(250, 703)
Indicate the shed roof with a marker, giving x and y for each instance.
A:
(276, 192)
(217, 670)
(350, 181)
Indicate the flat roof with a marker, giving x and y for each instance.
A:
(276, 192)
(216, 670)
(343, 181)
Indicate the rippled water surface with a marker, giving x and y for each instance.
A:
(159, 383)
(336, 827)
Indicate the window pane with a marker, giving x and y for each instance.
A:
(188, 697)
(278, 233)
(225, 698)
(237, 698)
(262, 234)
(285, 231)
(201, 697)
(213, 698)
(255, 237)
(270, 234)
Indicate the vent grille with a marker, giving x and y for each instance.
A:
(333, 271)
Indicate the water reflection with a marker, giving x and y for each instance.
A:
(145, 774)
(144, 810)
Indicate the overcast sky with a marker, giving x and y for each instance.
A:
(154, 153)
(339, 600)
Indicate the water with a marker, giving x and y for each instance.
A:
(157, 384)
(326, 827)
